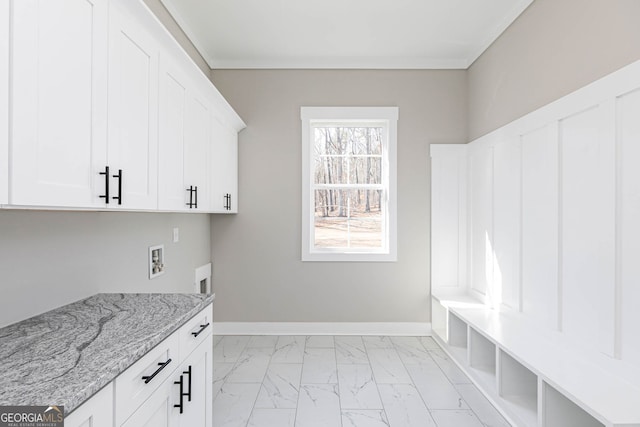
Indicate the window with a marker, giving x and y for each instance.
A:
(349, 183)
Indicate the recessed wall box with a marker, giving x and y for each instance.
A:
(156, 261)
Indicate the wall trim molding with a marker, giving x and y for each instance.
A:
(323, 328)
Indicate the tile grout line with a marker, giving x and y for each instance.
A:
(335, 358)
(253, 408)
(304, 353)
(373, 375)
(413, 381)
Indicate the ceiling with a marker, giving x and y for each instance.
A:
(370, 34)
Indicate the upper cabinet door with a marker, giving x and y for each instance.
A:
(172, 191)
(133, 112)
(4, 102)
(59, 81)
(224, 168)
(196, 152)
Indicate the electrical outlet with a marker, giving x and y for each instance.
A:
(176, 235)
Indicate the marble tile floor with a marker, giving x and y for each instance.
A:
(342, 381)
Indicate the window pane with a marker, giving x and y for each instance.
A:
(365, 219)
(347, 219)
(331, 170)
(365, 170)
(366, 204)
(366, 141)
(331, 203)
(365, 233)
(330, 141)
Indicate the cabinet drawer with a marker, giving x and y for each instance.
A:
(139, 381)
(196, 331)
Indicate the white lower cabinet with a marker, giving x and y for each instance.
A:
(158, 410)
(170, 386)
(96, 412)
(182, 393)
(197, 382)
(184, 399)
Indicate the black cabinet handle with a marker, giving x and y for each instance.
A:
(106, 184)
(193, 204)
(147, 378)
(227, 201)
(229, 208)
(181, 404)
(202, 328)
(188, 372)
(119, 196)
(182, 393)
(196, 190)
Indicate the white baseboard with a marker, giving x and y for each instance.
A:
(317, 328)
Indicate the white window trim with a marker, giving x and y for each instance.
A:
(341, 114)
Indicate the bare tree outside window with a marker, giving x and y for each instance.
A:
(348, 190)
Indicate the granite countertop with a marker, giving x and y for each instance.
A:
(65, 356)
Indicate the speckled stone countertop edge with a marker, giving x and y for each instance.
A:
(68, 354)
(124, 364)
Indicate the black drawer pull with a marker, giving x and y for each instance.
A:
(147, 379)
(202, 328)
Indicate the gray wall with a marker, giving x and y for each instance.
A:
(258, 275)
(552, 49)
(48, 259)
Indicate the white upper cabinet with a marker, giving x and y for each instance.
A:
(196, 151)
(59, 99)
(184, 142)
(224, 168)
(4, 102)
(172, 194)
(133, 113)
(108, 112)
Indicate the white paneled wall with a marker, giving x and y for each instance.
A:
(587, 224)
(507, 181)
(449, 221)
(481, 220)
(553, 217)
(628, 230)
(539, 234)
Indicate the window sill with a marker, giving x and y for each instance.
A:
(348, 257)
